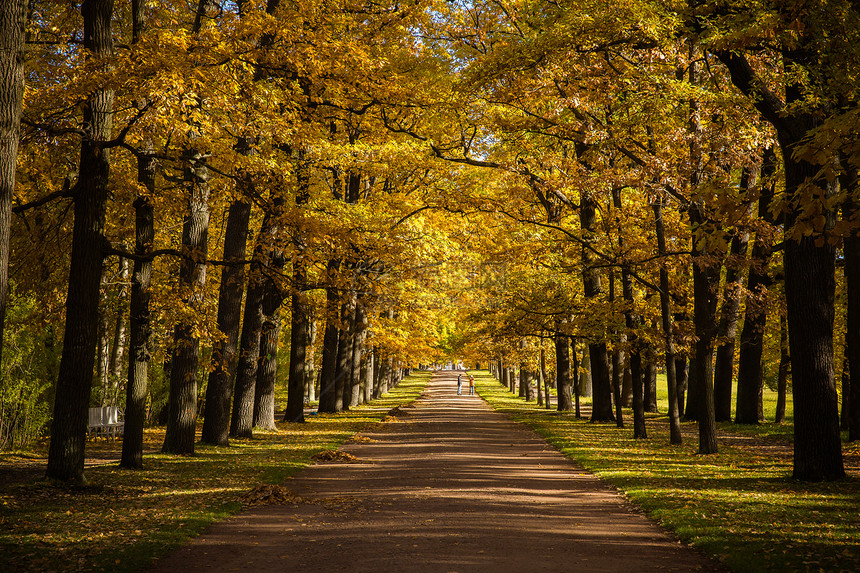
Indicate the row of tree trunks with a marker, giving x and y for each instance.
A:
(809, 268)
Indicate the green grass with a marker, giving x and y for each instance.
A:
(739, 505)
(123, 519)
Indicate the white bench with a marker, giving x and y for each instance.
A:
(104, 420)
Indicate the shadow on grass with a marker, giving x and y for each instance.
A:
(739, 505)
(124, 519)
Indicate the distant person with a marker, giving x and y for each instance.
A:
(471, 385)
(459, 384)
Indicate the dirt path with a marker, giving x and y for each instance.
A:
(451, 486)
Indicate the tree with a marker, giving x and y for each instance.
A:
(68, 429)
(12, 22)
(809, 258)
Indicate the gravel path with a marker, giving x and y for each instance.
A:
(451, 486)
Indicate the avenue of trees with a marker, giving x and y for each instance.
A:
(203, 201)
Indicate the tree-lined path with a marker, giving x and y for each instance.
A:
(450, 486)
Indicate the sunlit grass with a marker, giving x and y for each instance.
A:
(739, 505)
(123, 519)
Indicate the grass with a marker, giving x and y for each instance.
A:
(123, 519)
(739, 505)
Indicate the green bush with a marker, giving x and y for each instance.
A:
(30, 360)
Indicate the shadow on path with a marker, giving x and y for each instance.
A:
(450, 486)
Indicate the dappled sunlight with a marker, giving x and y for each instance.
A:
(739, 504)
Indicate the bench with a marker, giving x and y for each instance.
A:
(104, 420)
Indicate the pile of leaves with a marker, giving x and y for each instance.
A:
(334, 456)
(270, 494)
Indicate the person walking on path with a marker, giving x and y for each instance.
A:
(459, 383)
(471, 385)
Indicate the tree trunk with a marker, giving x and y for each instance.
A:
(310, 360)
(650, 373)
(69, 424)
(544, 377)
(562, 372)
(267, 368)
(748, 406)
(681, 376)
(851, 252)
(782, 375)
(140, 328)
(601, 404)
(617, 360)
(631, 321)
(705, 280)
(328, 397)
(730, 313)
(182, 402)
(103, 347)
(118, 345)
(270, 328)
(219, 390)
(666, 323)
(367, 370)
(299, 351)
(12, 25)
(809, 293)
(574, 354)
(343, 374)
(358, 352)
(242, 417)
(584, 379)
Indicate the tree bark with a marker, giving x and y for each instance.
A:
(267, 368)
(242, 416)
(650, 373)
(69, 424)
(748, 406)
(367, 370)
(851, 253)
(328, 398)
(299, 350)
(681, 376)
(219, 390)
(601, 404)
(617, 360)
(358, 352)
(730, 313)
(343, 374)
(562, 372)
(782, 375)
(118, 345)
(12, 25)
(705, 280)
(666, 323)
(140, 328)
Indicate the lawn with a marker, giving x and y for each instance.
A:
(740, 505)
(123, 519)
